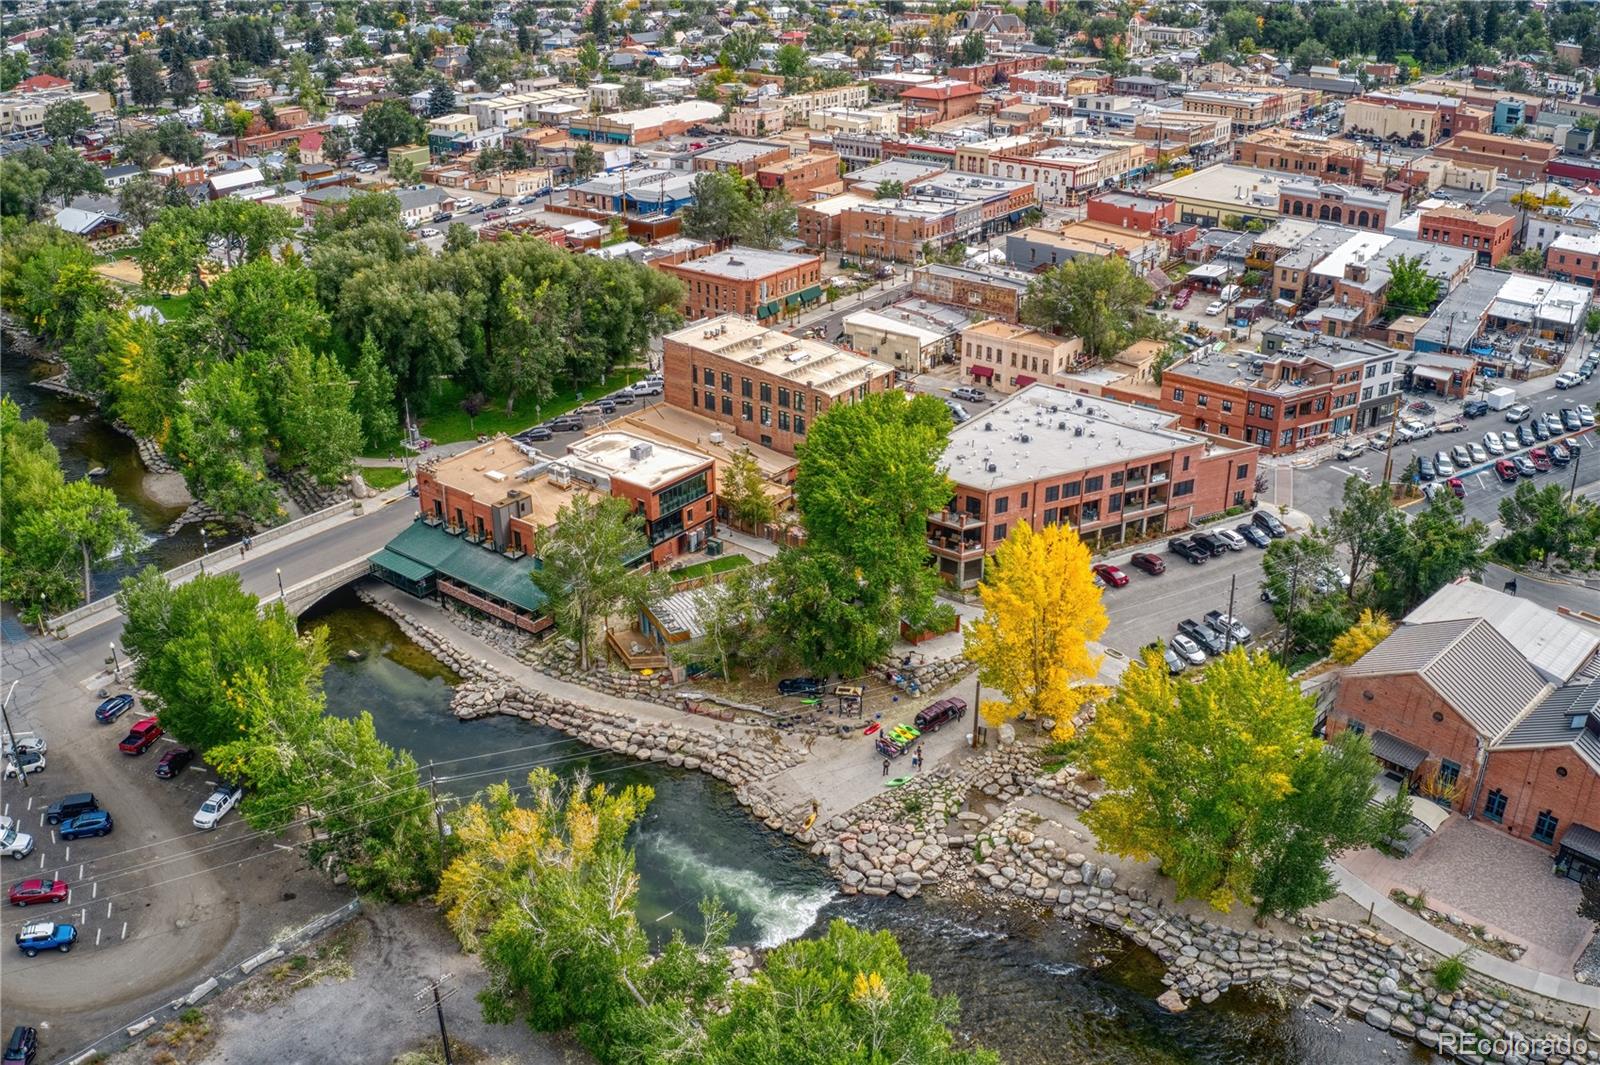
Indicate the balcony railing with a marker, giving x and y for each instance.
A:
(473, 538)
(453, 530)
(955, 519)
(950, 547)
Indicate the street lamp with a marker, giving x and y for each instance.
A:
(280, 586)
(116, 670)
(205, 547)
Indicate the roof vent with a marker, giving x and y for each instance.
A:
(988, 427)
(1078, 431)
(1078, 402)
(1025, 439)
(1061, 425)
(992, 468)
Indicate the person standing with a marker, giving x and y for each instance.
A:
(885, 767)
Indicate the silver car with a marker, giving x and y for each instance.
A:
(1491, 442)
(1188, 650)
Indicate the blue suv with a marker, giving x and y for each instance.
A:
(46, 935)
(93, 823)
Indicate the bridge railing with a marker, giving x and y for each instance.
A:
(215, 560)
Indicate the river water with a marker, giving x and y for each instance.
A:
(1039, 992)
(88, 442)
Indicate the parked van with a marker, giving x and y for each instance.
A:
(1518, 412)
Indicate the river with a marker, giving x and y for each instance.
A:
(1039, 992)
(89, 442)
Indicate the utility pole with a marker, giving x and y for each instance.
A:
(1394, 428)
(1577, 458)
(11, 733)
(1288, 618)
(977, 699)
(1227, 632)
(437, 1005)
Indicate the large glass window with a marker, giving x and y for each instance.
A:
(1494, 807)
(680, 495)
(1544, 829)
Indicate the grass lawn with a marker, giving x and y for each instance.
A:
(710, 567)
(174, 308)
(380, 478)
(445, 422)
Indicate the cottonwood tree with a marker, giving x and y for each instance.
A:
(1370, 629)
(1366, 524)
(743, 490)
(82, 526)
(586, 569)
(1041, 610)
(1097, 299)
(1440, 544)
(1543, 523)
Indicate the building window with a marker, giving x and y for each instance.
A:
(1177, 395)
(1449, 772)
(783, 421)
(694, 398)
(1227, 406)
(783, 397)
(1002, 504)
(1094, 484)
(1071, 491)
(766, 417)
(1357, 727)
(799, 403)
(1250, 408)
(727, 382)
(1494, 807)
(1268, 411)
(1052, 493)
(766, 392)
(746, 411)
(800, 425)
(1202, 400)
(1544, 829)
(1186, 462)
(999, 533)
(711, 378)
(1050, 515)
(727, 406)
(1183, 488)
(1023, 504)
(1116, 503)
(744, 387)
(1242, 472)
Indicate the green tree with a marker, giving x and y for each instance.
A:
(1411, 289)
(1542, 523)
(81, 526)
(742, 488)
(792, 61)
(179, 143)
(586, 569)
(140, 200)
(633, 94)
(585, 161)
(62, 120)
(317, 429)
(862, 1003)
(404, 172)
(889, 190)
(143, 72)
(386, 124)
(374, 398)
(140, 147)
(1221, 780)
(1440, 544)
(1365, 524)
(22, 189)
(727, 207)
(30, 466)
(1302, 578)
(972, 49)
(868, 478)
(218, 439)
(182, 84)
(1097, 299)
(825, 615)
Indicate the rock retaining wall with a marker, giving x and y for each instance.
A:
(559, 658)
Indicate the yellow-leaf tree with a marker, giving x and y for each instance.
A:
(1041, 610)
(1369, 631)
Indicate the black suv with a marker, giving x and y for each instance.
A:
(1185, 550)
(1269, 524)
(931, 717)
(1216, 545)
(809, 686)
(23, 1044)
(1208, 639)
(71, 806)
(1475, 408)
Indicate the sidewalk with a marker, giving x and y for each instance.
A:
(1416, 929)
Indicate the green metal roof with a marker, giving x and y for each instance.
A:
(401, 566)
(477, 567)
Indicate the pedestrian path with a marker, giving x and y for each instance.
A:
(1436, 939)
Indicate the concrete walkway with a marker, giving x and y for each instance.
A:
(1506, 972)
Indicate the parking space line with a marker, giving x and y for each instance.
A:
(83, 915)
(95, 893)
(109, 904)
(80, 871)
(30, 805)
(41, 863)
(69, 854)
(124, 929)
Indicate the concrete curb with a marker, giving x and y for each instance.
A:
(125, 1035)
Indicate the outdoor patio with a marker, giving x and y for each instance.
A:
(1472, 870)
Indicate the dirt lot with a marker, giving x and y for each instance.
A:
(354, 988)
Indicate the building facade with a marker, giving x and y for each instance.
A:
(1486, 234)
(752, 282)
(1009, 357)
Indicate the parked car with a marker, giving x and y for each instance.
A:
(23, 1046)
(1425, 470)
(27, 742)
(1188, 650)
(1187, 551)
(28, 892)
(1570, 420)
(1253, 533)
(1507, 470)
(144, 732)
(113, 708)
(71, 806)
(1457, 487)
(1378, 441)
(1176, 663)
(93, 823)
(1585, 414)
(1559, 455)
(1110, 574)
(1518, 412)
(1509, 440)
(607, 407)
(1492, 444)
(1228, 626)
(1269, 524)
(1541, 431)
(427, 231)
(969, 394)
(566, 425)
(1525, 436)
(1525, 468)
(1211, 544)
(24, 762)
(1350, 449)
(15, 844)
(1540, 457)
(1476, 455)
(46, 935)
(535, 434)
(934, 716)
(1475, 408)
(1208, 640)
(1214, 308)
(1442, 464)
(218, 803)
(1452, 425)
(645, 388)
(1566, 380)
(1151, 564)
(807, 686)
(1460, 457)
(173, 762)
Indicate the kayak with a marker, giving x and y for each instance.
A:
(870, 729)
(897, 781)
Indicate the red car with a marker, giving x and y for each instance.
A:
(1151, 564)
(1507, 470)
(139, 738)
(1111, 574)
(1457, 487)
(28, 892)
(1540, 457)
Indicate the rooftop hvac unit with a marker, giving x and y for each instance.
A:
(1078, 431)
(988, 427)
(991, 467)
(1025, 439)
(716, 436)
(640, 452)
(1061, 425)
(494, 475)
(561, 475)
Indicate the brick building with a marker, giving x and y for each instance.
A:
(938, 101)
(1248, 111)
(1328, 158)
(1513, 157)
(1489, 704)
(940, 211)
(746, 157)
(749, 281)
(770, 385)
(989, 292)
(801, 175)
(645, 125)
(1485, 233)
(1129, 210)
(1048, 456)
(1574, 257)
(1360, 208)
(673, 489)
(1008, 357)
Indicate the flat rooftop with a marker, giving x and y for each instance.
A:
(745, 264)
(739, 151)
(1242, 187)
(717, 438)
(485, 472)
(1043, 431)
(812, 364)
(635, 459)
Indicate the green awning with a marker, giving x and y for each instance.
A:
(477, 567)
(768, 310)
(401, 566)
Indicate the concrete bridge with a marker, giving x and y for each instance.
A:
(303, 560)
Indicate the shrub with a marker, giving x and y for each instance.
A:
(1451, 972)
